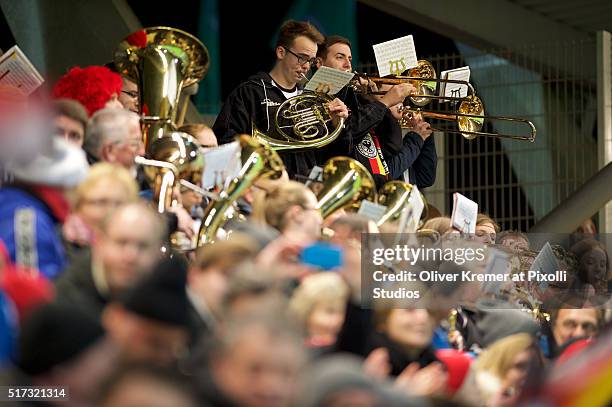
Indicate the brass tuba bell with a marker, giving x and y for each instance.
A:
(258, 161)
(162, 61)
(300, 123)
(346, 182)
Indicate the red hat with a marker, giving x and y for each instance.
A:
(92, 86)
(457, 365)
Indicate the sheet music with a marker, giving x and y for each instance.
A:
(545, 263)
(464, 214)
(17, 70)
(497, 263)
(328, 80)
(371, 210)
(395, 56)
(220, 164)
(455, 89)
(417, 206)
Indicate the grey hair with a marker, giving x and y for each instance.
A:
(107, 126)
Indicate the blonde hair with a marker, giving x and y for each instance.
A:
(441, 224)
(226, 253)
(482, 218)
(107, 171)
(280, 199)
(315, 289)
(498, 358)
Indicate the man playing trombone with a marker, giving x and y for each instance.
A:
(373, 135)
(255, 101)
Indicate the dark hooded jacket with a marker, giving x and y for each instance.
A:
(254, 103)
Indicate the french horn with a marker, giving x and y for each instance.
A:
(301, 123)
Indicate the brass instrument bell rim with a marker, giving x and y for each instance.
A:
(197, 68)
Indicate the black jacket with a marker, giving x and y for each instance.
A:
(256, 102)
(362, 118)
(76, 286)
(396, 155)
(359, 336)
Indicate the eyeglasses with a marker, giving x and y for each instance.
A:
(302, 59)
(131, 93)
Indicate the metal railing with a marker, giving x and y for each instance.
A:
(517, 183)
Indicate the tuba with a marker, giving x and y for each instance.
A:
(162, 61)
(346, 182)
(258, 161)
(300, 123)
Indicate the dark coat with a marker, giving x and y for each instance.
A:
(255, 102)
(76, 286)
(358, 336)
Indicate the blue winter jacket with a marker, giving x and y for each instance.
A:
(30, 232)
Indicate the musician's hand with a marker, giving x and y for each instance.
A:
(338, 110)
(185, 222)
(420, 126)
(397, 94)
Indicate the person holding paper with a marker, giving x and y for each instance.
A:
(255, 101)
(372, 134)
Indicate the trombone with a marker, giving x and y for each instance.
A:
(423, 77)
(470, 118)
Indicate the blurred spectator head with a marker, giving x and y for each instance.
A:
(106, 187)
(256, 361)
(70, 120)
(114, 135)
(128, 244)
(593, 263)
(292, 208)
(319, 303)
(132, 385)
(569, 323)
(214, 264)
(486, 229)
(202, 133)
(513, 239)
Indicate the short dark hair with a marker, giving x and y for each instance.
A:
(329, 41)
(292, 29)
(70, 108)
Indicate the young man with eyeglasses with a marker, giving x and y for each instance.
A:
(372, 134)
(256, 101)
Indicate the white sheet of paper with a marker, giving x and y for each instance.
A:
(220, 163)
(316, 175)
(497, 263)
(371, 210)
(417, 205)
(328, 80)
(464, 214)
(455, 89)
(17, 70)
(545, 263)
(395, 56)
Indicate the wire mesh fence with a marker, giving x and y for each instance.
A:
(518, 182)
